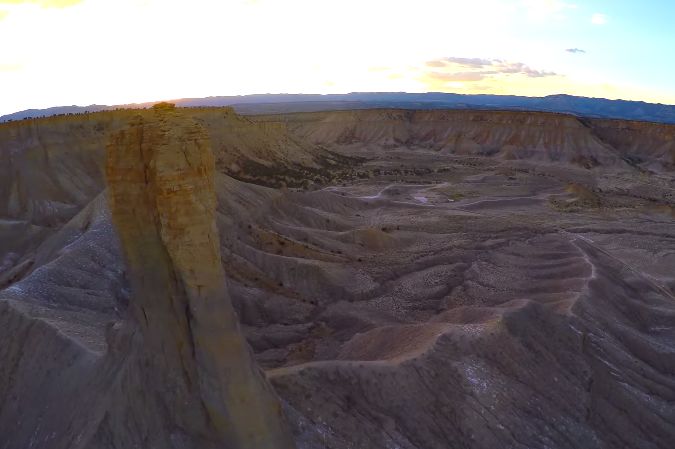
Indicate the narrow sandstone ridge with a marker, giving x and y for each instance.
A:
(162, 197)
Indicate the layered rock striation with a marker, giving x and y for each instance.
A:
(534, 136)
(174, 371)
(442, 299)
(51, 168)
(193, 361)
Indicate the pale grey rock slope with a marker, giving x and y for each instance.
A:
(427, 296)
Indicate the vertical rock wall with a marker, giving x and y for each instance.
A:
(188, 356)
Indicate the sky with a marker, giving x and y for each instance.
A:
(64, 52)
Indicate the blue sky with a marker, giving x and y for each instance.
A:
(636, 44)
(58, 52)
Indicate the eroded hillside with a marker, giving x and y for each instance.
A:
(52, 167)
(449, 279)
(538, 136)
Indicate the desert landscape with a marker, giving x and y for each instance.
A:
(410, 279)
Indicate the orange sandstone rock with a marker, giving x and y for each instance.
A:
(160, 174)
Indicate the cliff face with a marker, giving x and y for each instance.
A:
(642, 142)
(50, 168)
(537, 136)
(174, 371)
(193, 357)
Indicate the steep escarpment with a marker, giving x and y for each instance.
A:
(536, 136)
(650, 144)
(173, 370)
(193, 361)
(50, 168)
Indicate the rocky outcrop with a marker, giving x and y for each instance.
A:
(534, 136)
(651, 144)
(50, 168)
(85, 366)
(193, 363)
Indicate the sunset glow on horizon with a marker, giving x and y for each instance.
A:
(64, 52)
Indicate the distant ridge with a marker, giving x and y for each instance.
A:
(286, 103)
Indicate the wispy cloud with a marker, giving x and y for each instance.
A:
(598, 19)
(466, 62)
(476, 69)
(460, 76)
(436, 63)
(575, 50)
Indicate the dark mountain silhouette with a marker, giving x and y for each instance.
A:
(285, 103)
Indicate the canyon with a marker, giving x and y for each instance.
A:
(404, 278)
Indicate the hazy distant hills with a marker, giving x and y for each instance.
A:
(285, 103)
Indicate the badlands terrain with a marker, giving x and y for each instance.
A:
(405, 279)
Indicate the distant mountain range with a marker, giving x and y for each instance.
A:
(285, 103)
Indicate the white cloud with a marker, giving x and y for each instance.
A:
(598, 19)
(477, 69)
